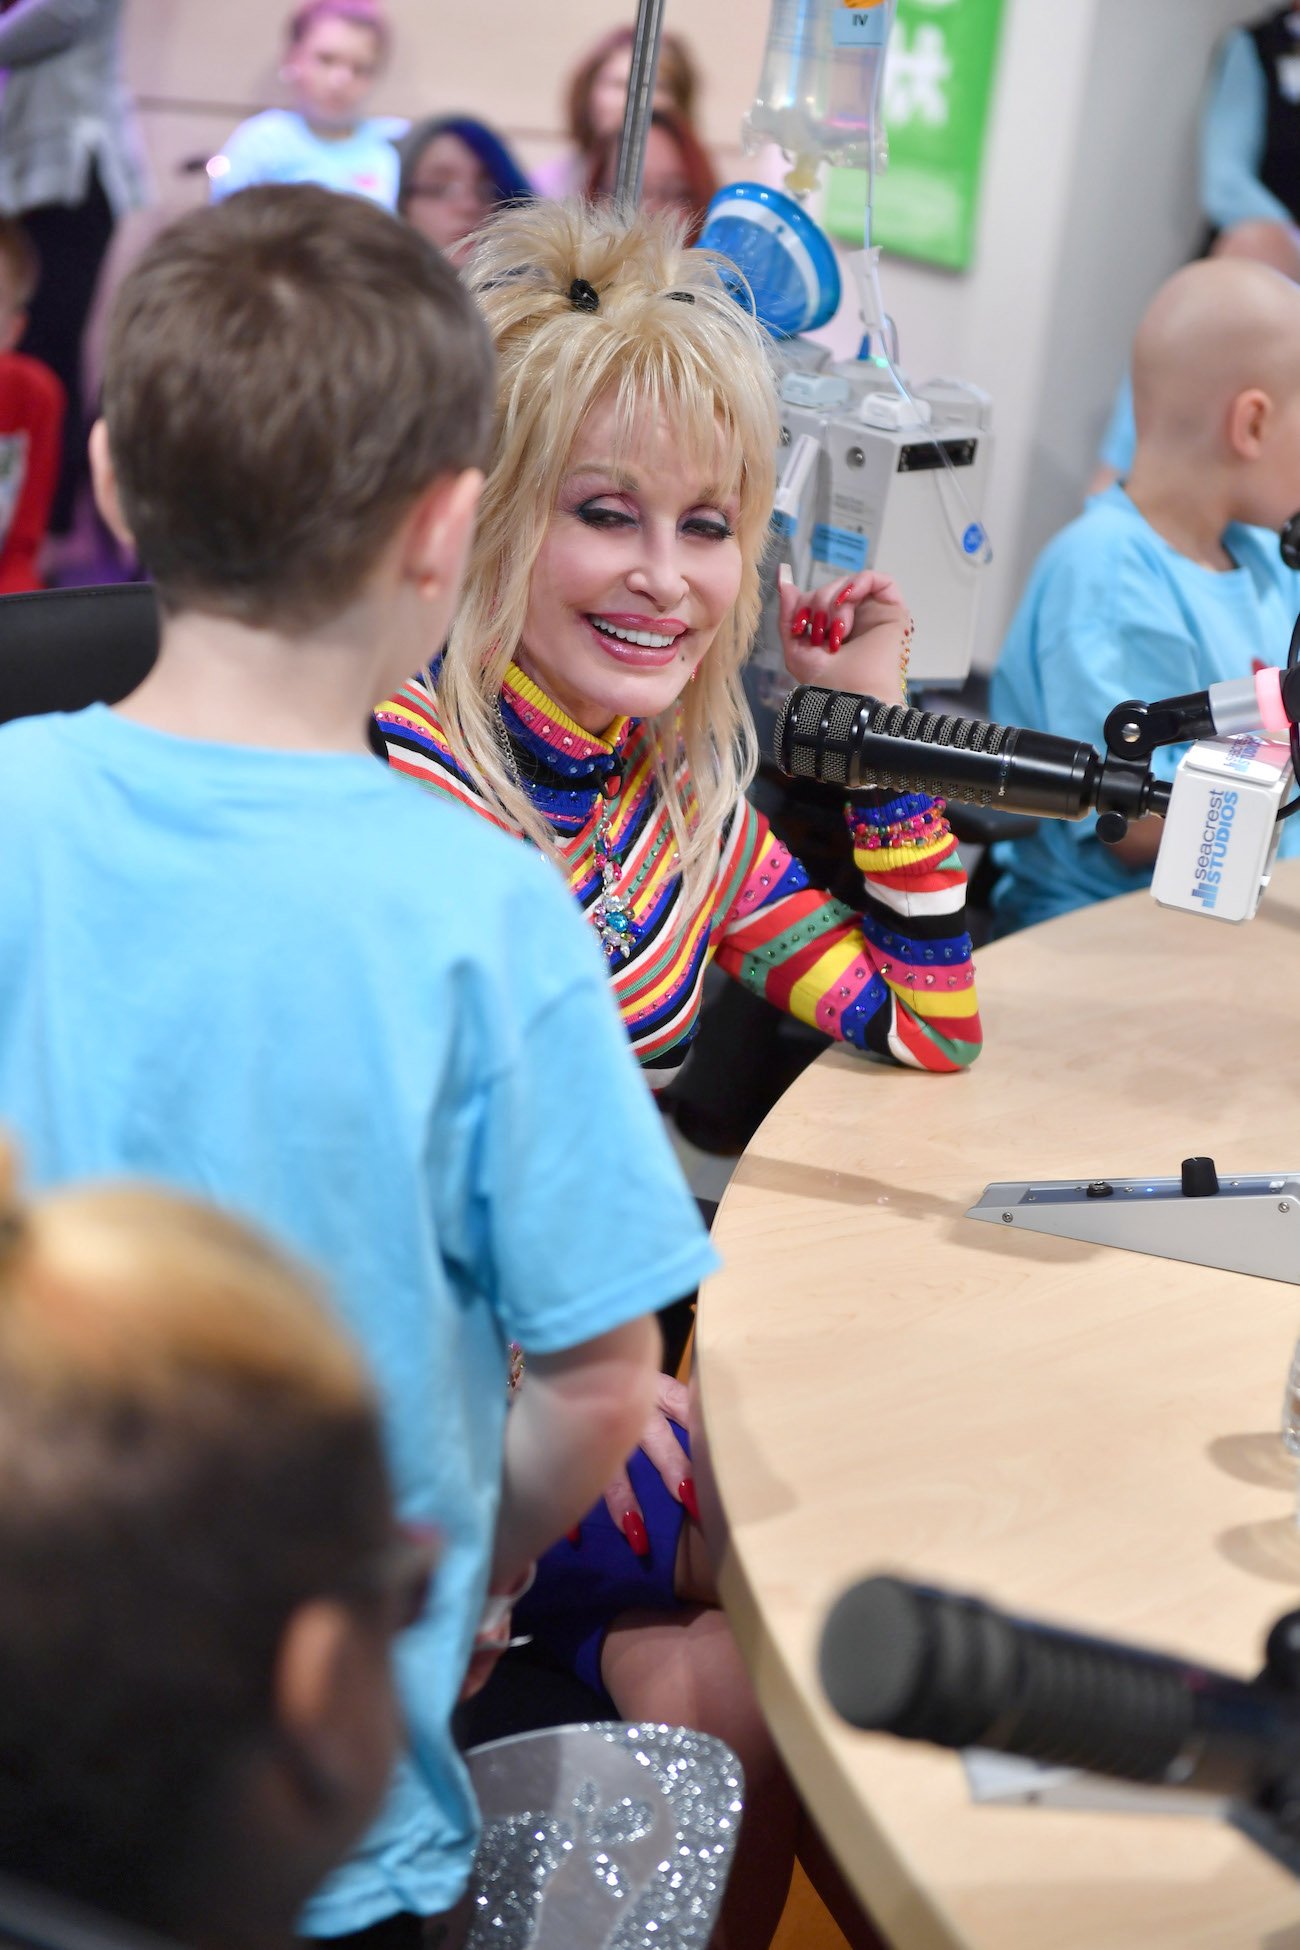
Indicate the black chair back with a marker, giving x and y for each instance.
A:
(62, 649)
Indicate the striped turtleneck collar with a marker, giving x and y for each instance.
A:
(563, 768)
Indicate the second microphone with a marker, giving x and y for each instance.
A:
(844, 739)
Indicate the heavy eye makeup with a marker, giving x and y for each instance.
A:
(612, 511)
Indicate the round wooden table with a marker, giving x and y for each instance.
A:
(1071, 1431)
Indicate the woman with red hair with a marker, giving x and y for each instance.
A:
(596, 97)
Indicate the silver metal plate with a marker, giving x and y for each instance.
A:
(1250, 1225)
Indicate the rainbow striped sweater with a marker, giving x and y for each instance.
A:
(894, 978)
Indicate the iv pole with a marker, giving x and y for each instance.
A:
(640, 104)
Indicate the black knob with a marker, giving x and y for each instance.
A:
(1200, 1179)
(1282, 1653)
(1112, 827)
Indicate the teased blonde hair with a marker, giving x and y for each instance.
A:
(669, 340)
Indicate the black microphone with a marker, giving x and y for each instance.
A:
(929, 1665)
(842, 738)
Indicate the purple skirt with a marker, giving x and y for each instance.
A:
(582, 1588)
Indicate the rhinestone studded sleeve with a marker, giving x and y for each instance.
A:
(896, 976)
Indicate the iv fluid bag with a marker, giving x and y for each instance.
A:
(820, 85)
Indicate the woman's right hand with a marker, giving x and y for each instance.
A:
(849, 635)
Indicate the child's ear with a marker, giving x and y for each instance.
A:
(103, 477)
(11, 331)
(440, 531)
(1249, 417)
(336, 1718)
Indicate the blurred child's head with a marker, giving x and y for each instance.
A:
(19, 276)
(297, 396)
(455, 173)
(336, 49)
(200, 1574)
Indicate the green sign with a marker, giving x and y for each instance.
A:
(938, 85)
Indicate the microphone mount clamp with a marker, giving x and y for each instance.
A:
(1249, 1224)
(1134, 730)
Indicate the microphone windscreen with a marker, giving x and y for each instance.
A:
(873, 1653)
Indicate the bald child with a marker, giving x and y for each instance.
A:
(1173, 580)
(1274, 244)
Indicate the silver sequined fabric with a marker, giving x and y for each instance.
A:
(606, 1837)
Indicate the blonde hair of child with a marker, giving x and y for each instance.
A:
(668, 341)
(127, 1293)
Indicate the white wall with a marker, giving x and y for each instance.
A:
(1089, 189)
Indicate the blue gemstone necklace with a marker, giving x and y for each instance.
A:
(611, 911)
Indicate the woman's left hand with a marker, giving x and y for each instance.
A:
(849, 635)
(659, 1443)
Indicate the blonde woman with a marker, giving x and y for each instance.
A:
(590, 699)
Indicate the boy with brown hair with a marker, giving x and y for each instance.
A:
(31, 420)
(199, 972)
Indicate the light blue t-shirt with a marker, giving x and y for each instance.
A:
(1113, 612)
(1119, 442)
(279, 146)
(297, 984)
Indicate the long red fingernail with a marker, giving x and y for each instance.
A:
(836, 639)
(690, 1502)
(843, 593)
(819, 629)
(634, 1531)
(800, 623)
(575, 1536)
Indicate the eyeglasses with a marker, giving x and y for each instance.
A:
(400, 1573)
(482, 191)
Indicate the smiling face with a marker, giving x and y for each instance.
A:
(331, 71)
(639, 567)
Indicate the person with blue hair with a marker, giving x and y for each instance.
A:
(454, 173)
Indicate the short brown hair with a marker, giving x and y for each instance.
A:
(189, 1450)
(359, 13)
(287, 372)
(18, 255)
